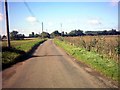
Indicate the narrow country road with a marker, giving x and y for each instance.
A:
(51, 67)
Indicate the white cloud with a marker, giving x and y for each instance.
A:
(94, 22)
(114, 2)
(14, 29)
(31, 19)
(1, 17)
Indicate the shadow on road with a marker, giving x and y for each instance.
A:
(44, 56)
(22, 57)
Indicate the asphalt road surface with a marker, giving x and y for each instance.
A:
(51, 67)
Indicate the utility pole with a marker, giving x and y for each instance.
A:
(61, 27)
(7, 24)
(42, 26)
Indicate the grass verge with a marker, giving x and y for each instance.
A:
(96, 61)
(19, 51)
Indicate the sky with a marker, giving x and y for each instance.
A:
(86, 16)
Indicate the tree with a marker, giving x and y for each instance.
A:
(4, 37)
(33, 34)
(105, 32)
(62, 34)
(112, 32)
(36, 35)
(30, 35)
(76, 33)
(80, 32)
(73, 33)
(55, 33)
(13, 35)
(20, 36)
(92, 33)
(45, 35)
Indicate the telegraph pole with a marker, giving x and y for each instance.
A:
(42, 26)
(7, 24)
(61, 27)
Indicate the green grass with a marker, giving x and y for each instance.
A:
(96, 61)
(18, 48)
(15, 43)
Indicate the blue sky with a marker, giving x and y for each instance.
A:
(72, 15)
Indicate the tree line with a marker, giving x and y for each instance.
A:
(14, 35)
(81, 33)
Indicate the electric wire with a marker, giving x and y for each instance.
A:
(30, 11)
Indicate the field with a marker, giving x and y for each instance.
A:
(106, 45)
(99, 52)
(18, 49)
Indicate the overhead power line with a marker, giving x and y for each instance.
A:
(30, 11)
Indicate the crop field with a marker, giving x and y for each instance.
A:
(18, 48)
(15, 43)
(108, 46)
(99, 52)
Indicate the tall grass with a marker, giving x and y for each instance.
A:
(105, 66)
(106, 45)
